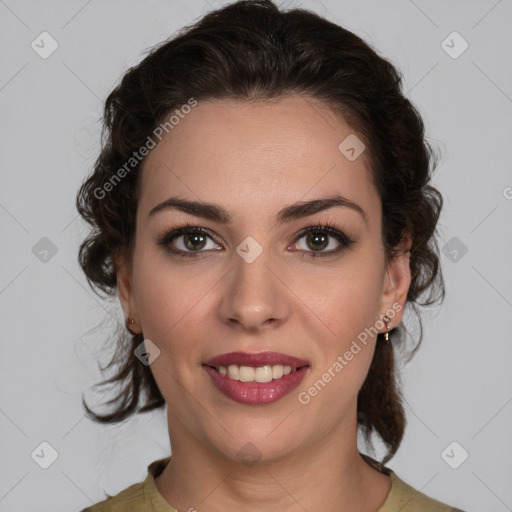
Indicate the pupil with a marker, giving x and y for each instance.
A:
(317, 237)
(194, 237)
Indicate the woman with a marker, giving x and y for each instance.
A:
(262, 208)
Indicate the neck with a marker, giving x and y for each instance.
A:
(329, 475)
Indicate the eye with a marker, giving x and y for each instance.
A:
(190, 240)
(320, 237)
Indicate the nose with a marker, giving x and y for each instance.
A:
(254, 295)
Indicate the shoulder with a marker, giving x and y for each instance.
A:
(127, 500)
(139, 496)
(405, 498)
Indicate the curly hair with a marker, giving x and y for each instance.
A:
(252, 50)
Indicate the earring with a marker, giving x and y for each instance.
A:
(132, 321)
(386, 334)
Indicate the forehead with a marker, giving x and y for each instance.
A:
(246, 153)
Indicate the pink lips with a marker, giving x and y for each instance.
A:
(256, 392)
(261, 359)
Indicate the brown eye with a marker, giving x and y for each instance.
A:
(187, 241)
(194, 241)
(318, 238)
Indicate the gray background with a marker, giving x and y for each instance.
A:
(458, 388)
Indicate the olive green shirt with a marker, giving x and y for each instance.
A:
(144, 497)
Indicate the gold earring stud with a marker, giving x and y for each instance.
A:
(386, 334)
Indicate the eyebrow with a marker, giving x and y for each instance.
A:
(288, 213)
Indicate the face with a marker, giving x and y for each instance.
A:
(260, 283)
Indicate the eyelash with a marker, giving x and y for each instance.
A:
(187, 229)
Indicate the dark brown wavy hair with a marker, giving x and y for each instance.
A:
(252, 50)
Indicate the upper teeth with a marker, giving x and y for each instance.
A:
(259, 374)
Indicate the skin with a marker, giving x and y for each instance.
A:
(253, 159)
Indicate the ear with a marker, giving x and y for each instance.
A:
(396, 284)
(126, 295)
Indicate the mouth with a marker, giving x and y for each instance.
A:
(260, 367)
(256, 378)
(262, 374)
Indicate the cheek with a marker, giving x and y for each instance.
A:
(346, 297)
(166, 301)
(169, 301)
(347, 300)
(154, 289)
(172, 298)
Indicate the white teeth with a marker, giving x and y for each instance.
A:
(277, 371)
(233, 372)
(246, 374)
(265, 373)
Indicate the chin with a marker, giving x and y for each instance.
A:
(251, 446)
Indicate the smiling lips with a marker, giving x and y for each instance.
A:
(256, 378)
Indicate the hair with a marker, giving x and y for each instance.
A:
(252, 50)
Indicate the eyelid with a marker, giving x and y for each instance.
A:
(181, 229)
(332, 231)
